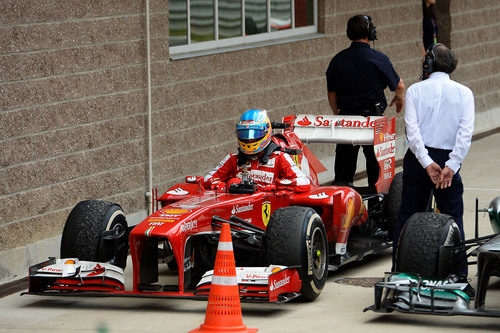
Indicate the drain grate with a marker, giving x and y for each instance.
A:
(367, 282)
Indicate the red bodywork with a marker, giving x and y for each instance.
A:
(187, 209)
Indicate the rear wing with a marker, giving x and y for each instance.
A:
(356, 130)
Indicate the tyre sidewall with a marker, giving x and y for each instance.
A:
(83, 230)
(114, 219)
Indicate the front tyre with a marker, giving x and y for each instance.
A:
(419, 244)
(82, 236)
(296, 236)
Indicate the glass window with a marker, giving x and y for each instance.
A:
(229, 18)
(177, 14)
(202, 20)
(304, 13)
(200, 25)
(255, 16)
(281, 15)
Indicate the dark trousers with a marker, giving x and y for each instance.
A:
(346, 158)
(417, 187)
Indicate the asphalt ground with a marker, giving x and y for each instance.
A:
(339, 308)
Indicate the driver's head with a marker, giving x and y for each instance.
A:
(253, 131)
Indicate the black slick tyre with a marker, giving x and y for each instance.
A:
(296, 236)
(419, 244)
(393, 202)
(82, 236)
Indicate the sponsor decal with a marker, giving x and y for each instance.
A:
(51, 269)
(161, 219)
(262, 176)
(174, 211)
(148, 231)
(321, 121)
(191, 179)
(285, 182)
(295, 158)
(168, 216)
(389, 137)
(97, 270)
(321, 195)
(304, 122)
(266, 212)
(254, 276)
(384, 150)
(387, 164)
(387, 175)
(426, 284)
(280, 283)
(240, 209)
(187, 226)
(156, 223)
(178, 191)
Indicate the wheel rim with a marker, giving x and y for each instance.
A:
(318, 248)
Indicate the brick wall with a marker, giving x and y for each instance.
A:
(73, 96)
(474, 37)
(72, 109)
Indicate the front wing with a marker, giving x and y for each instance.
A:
(72, 277)
(412, 294)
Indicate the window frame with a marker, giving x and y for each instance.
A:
(244, 40)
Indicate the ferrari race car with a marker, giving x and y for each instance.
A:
(430, 256)
(284, 242)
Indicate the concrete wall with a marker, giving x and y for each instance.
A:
(73, 99)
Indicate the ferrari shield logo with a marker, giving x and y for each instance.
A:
(266, 212)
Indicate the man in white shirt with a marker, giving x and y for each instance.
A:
(439, 118)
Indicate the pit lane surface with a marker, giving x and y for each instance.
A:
(339, 308)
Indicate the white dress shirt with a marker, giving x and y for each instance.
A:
(439, 113)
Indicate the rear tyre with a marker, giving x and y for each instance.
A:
(82, 236)
(393, 202)
(296, 236)
(419, 244)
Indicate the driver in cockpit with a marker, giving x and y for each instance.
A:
(258, 159)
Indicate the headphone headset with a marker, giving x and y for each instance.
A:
(372, 32)
(428, 66)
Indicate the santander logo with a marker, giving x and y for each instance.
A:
(321, 121)
(280, 283)
(240, 209)
(304, 122)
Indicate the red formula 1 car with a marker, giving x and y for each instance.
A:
(284, 242)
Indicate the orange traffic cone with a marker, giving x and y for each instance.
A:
(224, 309)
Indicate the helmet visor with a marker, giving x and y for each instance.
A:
(250, 134)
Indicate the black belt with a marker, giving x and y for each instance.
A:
(438, 150)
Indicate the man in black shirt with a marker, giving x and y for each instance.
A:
(356, 79)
